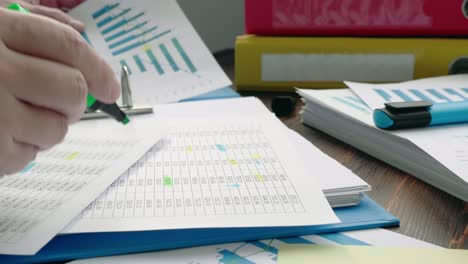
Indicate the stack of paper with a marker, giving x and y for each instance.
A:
(437, 155)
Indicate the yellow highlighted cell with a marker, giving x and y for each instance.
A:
(73, 156)
(259, 177)
(189, 148)
(233, 162)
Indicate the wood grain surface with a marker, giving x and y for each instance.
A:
(425, 212)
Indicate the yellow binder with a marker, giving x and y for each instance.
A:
(282, 63)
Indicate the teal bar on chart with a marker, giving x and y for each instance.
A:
(403, 96)
(421, 96)
(453, 92)
(109, 19)
(138, 43)
(383, 94)
(184, 55)
(351, 104)
(104, 10)
(139, 63)
(154, 61)
(124, 32)
(169, 58)
(131, 38)
(437, 94)
(343, 239)
(121, 23)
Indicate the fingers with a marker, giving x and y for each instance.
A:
(46, 84)
(61, 3)
(58, 15)
(51, 40)
(37, 126)
(15, 155)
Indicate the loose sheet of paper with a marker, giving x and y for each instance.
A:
(448, 143)
(236, 173)
(166, 58)
(260, 252)
(292, 254)
(38, 202)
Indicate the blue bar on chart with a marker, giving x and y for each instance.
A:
(111, 18)
(124, 63)
(131, 38)
(169, 57)
(104, 10)
(264, 246)
(421, 96)
(356, 100)
(437, 94)
(295, 240)
(352, 104)
(465, 90)
(403, 96)
(383, 94)
(124, 31)
(154, 61)
(453, 92)
(139, 63)
(183, 54)
(138, 43)
(231, 257)
(28, 167)
(121, 23)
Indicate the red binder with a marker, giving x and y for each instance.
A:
(357, 17)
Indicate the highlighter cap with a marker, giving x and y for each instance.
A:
(18, 8)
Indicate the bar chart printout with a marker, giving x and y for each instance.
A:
(263, 251)
(226, 175)
(437, 90)
(39, 201)
(156, 42)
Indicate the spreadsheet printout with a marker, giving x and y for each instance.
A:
(39, 201)
(228, 174)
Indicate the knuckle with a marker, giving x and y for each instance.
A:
(61, 129)
(73, 43)
(80, 91)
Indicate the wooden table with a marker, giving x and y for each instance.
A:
(425, 212)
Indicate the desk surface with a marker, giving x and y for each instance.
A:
(425, 212)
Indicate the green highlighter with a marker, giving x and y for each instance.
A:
(92, 104)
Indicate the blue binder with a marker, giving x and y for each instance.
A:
(367, 214)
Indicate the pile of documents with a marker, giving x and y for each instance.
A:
(437, 155)
(212, 164)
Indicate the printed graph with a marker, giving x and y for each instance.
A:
(138, 43)
(433, 95)
(266, 251)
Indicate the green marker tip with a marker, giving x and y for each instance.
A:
(126, 121)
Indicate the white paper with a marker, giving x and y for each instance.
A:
(167, 59)
(448, 143)
(259, 252)
(219, 173)
(38, 202)
(444, 89)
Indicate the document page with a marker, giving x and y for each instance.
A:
(38, 202)
(166, 58)
(260, 252)
(221, 173)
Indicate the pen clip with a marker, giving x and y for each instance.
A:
(127, 101)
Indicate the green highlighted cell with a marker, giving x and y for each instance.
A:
(167, 181)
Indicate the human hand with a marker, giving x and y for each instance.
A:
(50, 10)
(46, 69)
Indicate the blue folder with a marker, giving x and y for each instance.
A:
(367, 214)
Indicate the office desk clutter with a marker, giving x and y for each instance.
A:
(435, 154)
(204, 175)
